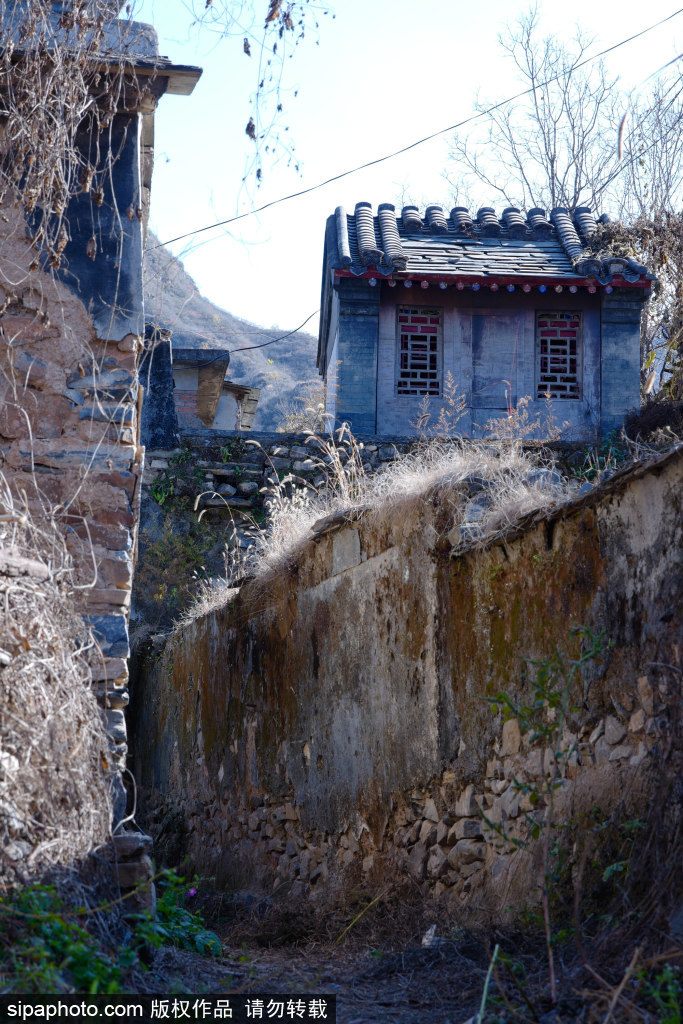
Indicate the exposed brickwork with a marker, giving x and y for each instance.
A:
(186, 407)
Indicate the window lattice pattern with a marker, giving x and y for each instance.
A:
(419, 331)
(558, 344)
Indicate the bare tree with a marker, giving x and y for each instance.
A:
(575, 138)
(63, 68)
(650, 179)
(555, 146)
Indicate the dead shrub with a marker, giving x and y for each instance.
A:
(55, 771)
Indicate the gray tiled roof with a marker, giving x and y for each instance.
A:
(461, 245)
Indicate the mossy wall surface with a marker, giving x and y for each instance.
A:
(316, 721)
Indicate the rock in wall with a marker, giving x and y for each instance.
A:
(68, 446)
(337, 718)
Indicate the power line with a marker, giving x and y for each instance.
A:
(419, 142)
(248, 348)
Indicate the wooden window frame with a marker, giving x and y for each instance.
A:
(559, 366)
(425, 367)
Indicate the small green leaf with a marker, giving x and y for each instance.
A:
(614, 869)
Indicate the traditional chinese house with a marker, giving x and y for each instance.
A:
(502, 307)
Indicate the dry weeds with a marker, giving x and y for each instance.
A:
(55, 774)
(515, 482)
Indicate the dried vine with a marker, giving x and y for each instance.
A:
(58, 75)
(658, 243)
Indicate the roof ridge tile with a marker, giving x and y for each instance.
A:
(368, 250)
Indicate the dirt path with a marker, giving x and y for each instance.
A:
(415, 986)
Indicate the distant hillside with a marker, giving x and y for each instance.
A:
(172, 300)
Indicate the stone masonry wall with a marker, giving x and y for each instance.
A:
(232, 468)
(68, 447)
(229, 475)
(333, 723)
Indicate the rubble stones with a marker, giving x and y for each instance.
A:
(602, 751)
(128, 844)
(428, 833)
(646, 694)
(467, 828)
(135, 872)
(465, 852)
(511, 737)
(430, 812)
(614, 730)
(417, 862)
(637, 721)
(437, 834)
(437, 862)
(466, 805)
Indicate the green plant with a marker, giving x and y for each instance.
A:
(182, 457)
(173, 923)
(609, 455)
(161, 490)
(543, 716)
(44, 949)
(49, 943)
(170, 567)
(233, 449)
(180, 480)
(665, 991)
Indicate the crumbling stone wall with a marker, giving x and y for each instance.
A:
(68, 446)
(333, 721)
(230, 475)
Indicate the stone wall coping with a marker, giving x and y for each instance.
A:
(215, 438)
(615, 483)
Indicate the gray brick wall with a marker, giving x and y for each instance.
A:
(357, 355)
(620, 364)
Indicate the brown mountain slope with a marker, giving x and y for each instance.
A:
(172, 300)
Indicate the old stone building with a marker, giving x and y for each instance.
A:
(186, 388)
(71, 329)
(497, 308)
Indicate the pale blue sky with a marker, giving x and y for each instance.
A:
(383, 75)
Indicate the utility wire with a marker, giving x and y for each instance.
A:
(248, 348)
(420, 142)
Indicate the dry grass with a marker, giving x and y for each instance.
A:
(54, 756)
(509, 482)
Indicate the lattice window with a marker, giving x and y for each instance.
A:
(558, 348)
(419, 351)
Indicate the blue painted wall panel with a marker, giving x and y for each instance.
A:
(357, 356)
(110, 285)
